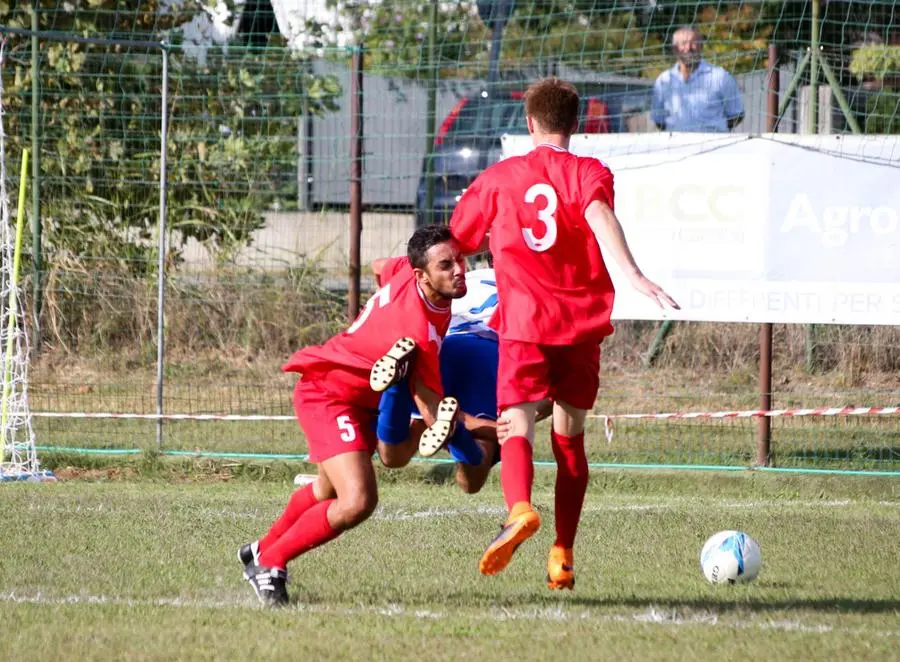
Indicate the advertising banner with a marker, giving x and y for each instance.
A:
(771, 228)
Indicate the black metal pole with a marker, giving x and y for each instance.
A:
(764, 426)
(356, 154)
(499, 16)
(430, 114)
(36, 257)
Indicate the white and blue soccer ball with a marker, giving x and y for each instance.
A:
(730, 557)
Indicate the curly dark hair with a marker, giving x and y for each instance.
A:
(424, 238)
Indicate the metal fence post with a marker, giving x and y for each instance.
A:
(764, 426)
(37, 289)
(161, 274)
(356, 155)
(815, 58)
(430, 114)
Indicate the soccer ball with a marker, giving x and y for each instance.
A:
(730, 557)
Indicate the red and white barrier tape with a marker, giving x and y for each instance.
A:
(748, 413)
(162, 417)
(759, 413)
(607, 418)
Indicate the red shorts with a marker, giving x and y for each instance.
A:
(332, 427)
(530, 372)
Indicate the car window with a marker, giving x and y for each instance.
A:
(601, 111)
(489, 117)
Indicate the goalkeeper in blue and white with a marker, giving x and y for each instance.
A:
(469, 356)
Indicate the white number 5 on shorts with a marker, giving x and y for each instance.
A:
(345, 425)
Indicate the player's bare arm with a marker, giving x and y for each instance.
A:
(481, 428)
(427, 402)
(378, 266)
(608, 231)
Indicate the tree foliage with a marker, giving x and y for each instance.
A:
(616, 36)
(232, 121)
(395, 32)
(877, 67)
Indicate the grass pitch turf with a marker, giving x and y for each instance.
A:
(146, 569)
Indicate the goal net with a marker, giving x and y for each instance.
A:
(18, 457)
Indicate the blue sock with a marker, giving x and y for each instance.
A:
(463, 447)
(393, 413)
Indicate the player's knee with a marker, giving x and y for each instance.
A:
(358, 506)
(573, 466)
(394, 456)
(580, 472)
(391, 462)
(470, 482)
(470, 486)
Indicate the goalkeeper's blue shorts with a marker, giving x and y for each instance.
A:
(469, 373)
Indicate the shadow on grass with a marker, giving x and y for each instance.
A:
(441, 474)
(519, 603)
(742, 603)
(525, 602)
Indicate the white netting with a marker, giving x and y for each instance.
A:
(18, 458)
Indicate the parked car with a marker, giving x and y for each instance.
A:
(469, 138)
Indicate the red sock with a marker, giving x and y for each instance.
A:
(308, 532)
(516, 470)
(301, 501)
(571, 485)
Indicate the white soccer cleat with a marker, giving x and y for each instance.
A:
(434, 438)
(393, 366)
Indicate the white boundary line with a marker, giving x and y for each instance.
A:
(402, 515)
(652, 615)
(499, 511)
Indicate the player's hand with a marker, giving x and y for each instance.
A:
(504, 427)
(650, 289)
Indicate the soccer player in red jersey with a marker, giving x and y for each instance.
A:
(542, 216)
(337, 405)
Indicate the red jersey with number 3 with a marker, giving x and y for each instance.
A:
(397, 309)
(552, 283)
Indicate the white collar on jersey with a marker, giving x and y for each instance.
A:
(556, 148)
(431, 306)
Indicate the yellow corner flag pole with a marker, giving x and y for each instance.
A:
(13, 301)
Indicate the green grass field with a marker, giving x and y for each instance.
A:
(145, 569)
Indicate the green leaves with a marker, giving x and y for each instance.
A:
(875, 62)
(232, 124)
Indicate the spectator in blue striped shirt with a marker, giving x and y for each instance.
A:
(695, 95)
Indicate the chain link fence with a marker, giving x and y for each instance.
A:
(257, 178)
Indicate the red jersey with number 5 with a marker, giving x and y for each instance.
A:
(397, 309)
(552, 283)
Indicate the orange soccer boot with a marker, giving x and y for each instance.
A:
(560, 569)
(522, 523)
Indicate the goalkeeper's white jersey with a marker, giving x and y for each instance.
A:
(472, 312)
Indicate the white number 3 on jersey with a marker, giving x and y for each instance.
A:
(545, 215)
